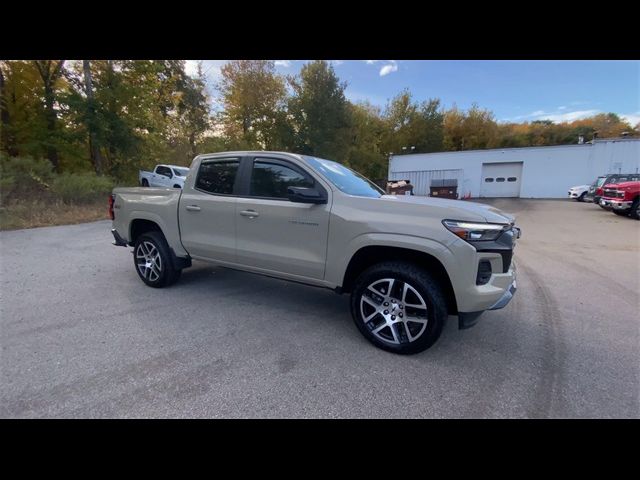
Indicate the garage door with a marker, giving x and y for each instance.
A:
(501, 179)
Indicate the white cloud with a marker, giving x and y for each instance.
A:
(336, 63)
(389, 68)
(283, 63)
(568, 116)
(191, 67)
(371, 62)
(558, 116)
(632, 118)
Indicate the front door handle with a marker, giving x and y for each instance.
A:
(249, 213)
(193, 208)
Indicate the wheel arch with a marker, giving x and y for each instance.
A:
(140, 226)
(370, 255)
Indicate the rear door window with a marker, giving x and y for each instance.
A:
(218, 176)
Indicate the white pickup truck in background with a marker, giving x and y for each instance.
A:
(167, 176)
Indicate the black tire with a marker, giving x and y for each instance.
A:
(177, 186)
(635, 209)
(421, 282)
(581, 197)
(622, 213)
(162, 273)
(145, 182)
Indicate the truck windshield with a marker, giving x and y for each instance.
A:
(181, 172)
(348, 181)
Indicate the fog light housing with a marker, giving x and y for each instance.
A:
(484, 272)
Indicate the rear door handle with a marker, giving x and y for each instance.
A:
(249, 213)
(193, 208)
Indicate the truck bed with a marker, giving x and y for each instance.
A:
(159, 205)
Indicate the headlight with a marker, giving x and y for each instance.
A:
(473, 232)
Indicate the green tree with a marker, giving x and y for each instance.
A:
(412, 124)
(320, 112)
(366, 152)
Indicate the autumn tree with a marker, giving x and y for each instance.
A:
(471, 130)
(252, 94)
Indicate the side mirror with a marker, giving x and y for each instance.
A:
(305, 195)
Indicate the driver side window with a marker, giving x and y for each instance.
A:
(271, 179)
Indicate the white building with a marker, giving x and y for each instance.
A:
(530, 172)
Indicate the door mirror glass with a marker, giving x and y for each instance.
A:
(305, 195)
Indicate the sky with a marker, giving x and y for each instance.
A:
(515, 91)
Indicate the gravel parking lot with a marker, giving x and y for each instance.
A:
(82, 336)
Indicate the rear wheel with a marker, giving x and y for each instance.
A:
(398, 307)
(153, 260)
(635, 209)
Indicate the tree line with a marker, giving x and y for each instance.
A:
(113, 117)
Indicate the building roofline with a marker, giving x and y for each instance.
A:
(586, 144)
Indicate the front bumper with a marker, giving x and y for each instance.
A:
(605, 202)
(469, 319)
(506, 297)
(574, 194)
(620, 204)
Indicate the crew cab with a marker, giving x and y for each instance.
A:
(407, 261)
(596, 191)
(167, 176)
(623, 198)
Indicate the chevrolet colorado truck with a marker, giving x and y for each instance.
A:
(623, 198)
(407, 261)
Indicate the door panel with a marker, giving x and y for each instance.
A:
(501, 179)
(284, 237)
(207, 213)
(274, 233)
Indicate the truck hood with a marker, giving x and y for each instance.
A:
(622, 185)
(458, 209)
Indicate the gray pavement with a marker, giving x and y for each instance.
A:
(82, 336)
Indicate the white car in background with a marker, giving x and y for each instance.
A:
(164, 176)
(578, 193)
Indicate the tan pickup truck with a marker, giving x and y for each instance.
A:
(407, 261)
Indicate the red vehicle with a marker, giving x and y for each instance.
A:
(623, 198)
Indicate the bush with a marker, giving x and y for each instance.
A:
(81, 187)
(24, 177)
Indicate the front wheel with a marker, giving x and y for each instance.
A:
(145, 182)
(581, 197)
(398, 307)
(153, 261)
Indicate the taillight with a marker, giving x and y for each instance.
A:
(112, 199)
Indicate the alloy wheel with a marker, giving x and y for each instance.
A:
(148, 261)
(394, 311)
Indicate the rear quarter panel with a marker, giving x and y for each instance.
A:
(159, 205)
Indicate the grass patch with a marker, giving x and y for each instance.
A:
(39, 213)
